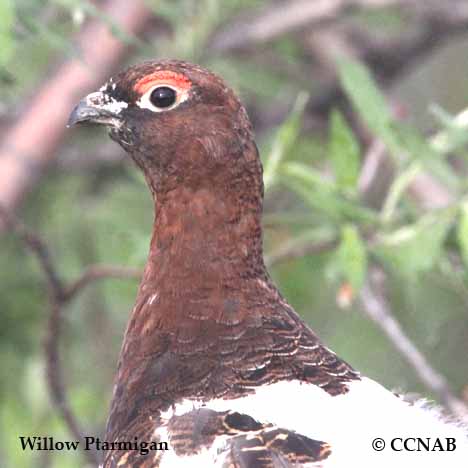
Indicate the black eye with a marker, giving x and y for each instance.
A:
(163, 97)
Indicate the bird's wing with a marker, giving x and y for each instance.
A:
(204, 437)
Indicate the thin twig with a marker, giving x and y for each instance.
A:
(286, 17)
(290, 16)
(299, 249)
(35, 244)
(55, 380)
(94, 273)
(56, 294)
(376, 174)
(378, 310)
(59, 295)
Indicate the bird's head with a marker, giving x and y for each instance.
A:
(179, 122)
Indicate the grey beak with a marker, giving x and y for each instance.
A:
(96, 108)
(83, 113)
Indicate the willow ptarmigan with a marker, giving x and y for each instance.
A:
(214, 361)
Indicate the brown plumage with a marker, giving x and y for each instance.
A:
(208, 321)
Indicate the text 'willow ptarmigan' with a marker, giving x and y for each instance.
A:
(214, 361)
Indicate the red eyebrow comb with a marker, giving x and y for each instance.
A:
(168, 77)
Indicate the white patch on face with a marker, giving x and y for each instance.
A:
(109, 84)
(101, 100)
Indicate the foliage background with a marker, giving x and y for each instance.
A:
(91, 205)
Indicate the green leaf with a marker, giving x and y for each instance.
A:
(322, 195)
(397, 189)
(352, 257)
(7, 42)
(368, 101)
(284, 141)
(344, 153)
(415, 248)
(454, 134)
(462, 232)
(412, 142)
(418, 148)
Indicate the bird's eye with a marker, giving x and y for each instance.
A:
(163, 97)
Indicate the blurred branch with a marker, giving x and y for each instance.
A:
(94, 273)
(54, 371)
(290, 16)
(299, 249)
(376, 174)
(429, 192)
(35, 245)
(378, 310)
(29, 145)
(286, 17)
(59, 295)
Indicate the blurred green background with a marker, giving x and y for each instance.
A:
(322, 96)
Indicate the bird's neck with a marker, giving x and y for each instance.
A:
(199, 296)
(204, 245)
